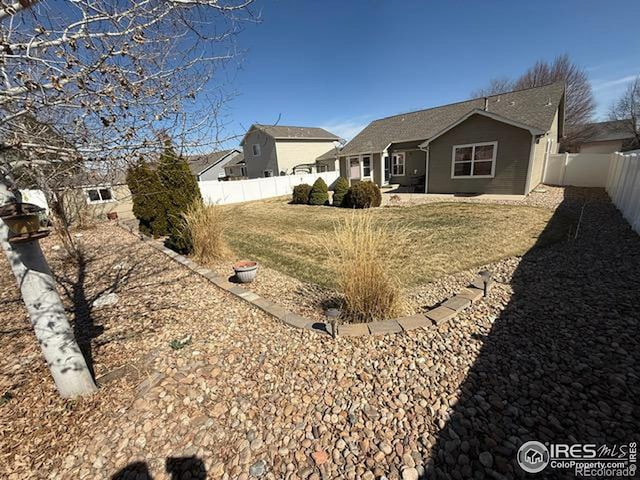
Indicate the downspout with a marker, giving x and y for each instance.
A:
(527, 184)
(425, 149)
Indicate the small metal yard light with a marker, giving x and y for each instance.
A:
(332, 315)
(486, 275)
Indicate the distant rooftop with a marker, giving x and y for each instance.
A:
(283, 132)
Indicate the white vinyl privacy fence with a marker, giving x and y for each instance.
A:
(623, 186)
(215, 192)
(577, 169)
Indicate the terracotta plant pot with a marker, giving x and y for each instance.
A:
(245, 271)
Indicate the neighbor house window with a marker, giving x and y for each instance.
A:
(397, 164)
(322, 168)
(268, 173)
(477, 160)
(256, 149)
(99, 195)
(366, 166)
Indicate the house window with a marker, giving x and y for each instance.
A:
(99, 195)
(268, 173)
(243, 171)
(397, 164)
(366, 166)
(322, 168)
(477, 160)
(256, 149)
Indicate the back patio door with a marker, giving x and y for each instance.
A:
(354, 169)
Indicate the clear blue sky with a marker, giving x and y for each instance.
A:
(341, 64)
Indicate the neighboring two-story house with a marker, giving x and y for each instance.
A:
(271, 150)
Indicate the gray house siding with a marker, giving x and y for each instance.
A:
(414, 166)
(512, 159)
(267, 160)
(217, 171)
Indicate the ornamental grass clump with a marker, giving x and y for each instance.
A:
(363, 250)
(205, 225)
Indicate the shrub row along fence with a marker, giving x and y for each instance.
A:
(215, 192)
(623, 186)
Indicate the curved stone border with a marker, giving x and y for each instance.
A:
(435, 317)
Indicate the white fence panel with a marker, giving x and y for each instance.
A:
(577, 169)
(214, 191)
(623, 186)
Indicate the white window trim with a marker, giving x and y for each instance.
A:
(404, 164)
(94, 202)
(254, 147)
(473, 153)
(362, 175)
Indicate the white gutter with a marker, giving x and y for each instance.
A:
(527, 183)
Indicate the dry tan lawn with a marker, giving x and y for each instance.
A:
(446, 237)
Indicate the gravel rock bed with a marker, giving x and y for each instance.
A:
(551, 355)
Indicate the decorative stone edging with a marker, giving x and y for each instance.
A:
(435, 317)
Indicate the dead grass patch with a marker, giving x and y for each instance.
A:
(445, 238)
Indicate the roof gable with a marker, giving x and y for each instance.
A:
(283, 132)
(533, 108)
(198, 164)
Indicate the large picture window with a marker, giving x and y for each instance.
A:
(397, 164)
(477, 160)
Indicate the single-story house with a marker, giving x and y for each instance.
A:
(606, 137)
(497, 144)
(211, 166)
(236, 169)
(324, 163)
(96, 195)
(276, 149)
(327, 161)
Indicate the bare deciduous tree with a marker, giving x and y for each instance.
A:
(627, 110)
(107, 76)
(579, 102)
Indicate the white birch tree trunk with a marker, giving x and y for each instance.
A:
(55, 336)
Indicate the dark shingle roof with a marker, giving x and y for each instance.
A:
(604, 131)
(330, 154)
(237, 159)
(282, 132)
(534, 107)
(200, 163)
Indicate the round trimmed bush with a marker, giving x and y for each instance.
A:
(363, 195)
(319, 194)
(301, 193)
(339, 191)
